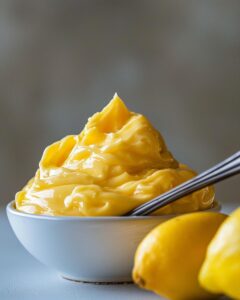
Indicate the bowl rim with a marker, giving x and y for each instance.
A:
(12, 210)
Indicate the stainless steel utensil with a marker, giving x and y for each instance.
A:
(227, 168)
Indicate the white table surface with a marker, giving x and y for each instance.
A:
(23, 278)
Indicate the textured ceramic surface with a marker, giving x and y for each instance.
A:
(95, 249)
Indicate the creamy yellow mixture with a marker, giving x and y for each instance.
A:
(116, 163)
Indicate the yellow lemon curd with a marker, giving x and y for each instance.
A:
(116, 163)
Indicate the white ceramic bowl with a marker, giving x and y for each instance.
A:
(92, 249)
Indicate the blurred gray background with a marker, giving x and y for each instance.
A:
(178, 62)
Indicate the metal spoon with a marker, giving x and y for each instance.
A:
(227, 168)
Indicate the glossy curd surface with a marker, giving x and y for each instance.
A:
(116, 163)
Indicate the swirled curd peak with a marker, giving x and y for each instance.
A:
(116, 163)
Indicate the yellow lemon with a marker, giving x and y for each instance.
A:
(169, 258)
(220, 272)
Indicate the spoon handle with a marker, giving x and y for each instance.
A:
(221, 171)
